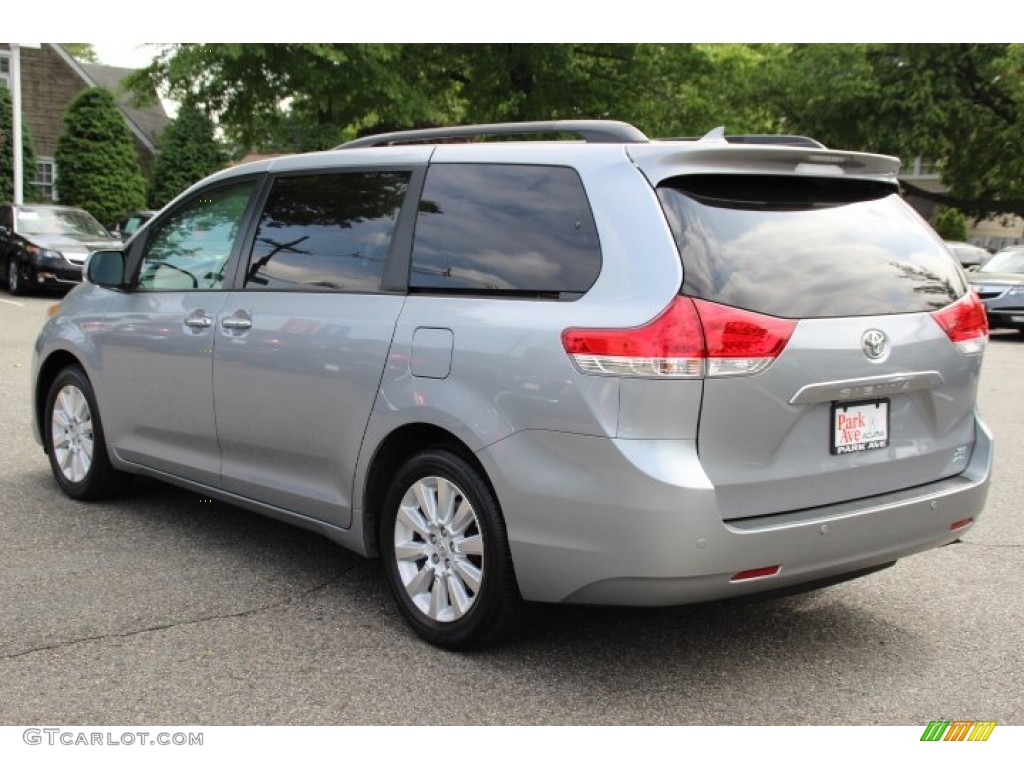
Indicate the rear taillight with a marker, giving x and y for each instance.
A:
(739, 342)
(670, 345)
(965, 323)
(690, 339)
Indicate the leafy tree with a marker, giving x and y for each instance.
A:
(188, 152)
(950, 224)
(28, 156)
(98, 166)
(82, 51)
(961, 105)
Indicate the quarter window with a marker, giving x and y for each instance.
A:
(326, 232)
(512, 229)
(190, 250)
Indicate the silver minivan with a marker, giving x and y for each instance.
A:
(612, 371)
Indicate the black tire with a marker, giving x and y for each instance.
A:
(493, 605)
(13, 282)
(79, 459)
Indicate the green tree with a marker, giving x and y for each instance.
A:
(950, 224)
(28, 155)
(961, 105)
(82, 51)
(188, 152)
(98, 168)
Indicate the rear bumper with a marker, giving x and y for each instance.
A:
(636, 522)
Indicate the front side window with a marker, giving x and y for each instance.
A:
(505, 229)
(190, 249)
(326, 232)
(5, 70)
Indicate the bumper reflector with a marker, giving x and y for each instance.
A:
(756, 573)
(961, 524)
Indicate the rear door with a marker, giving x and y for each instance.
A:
(301, 345)
(870, 394)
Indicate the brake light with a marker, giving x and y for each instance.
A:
(965, 322)
(690, 339)
(670, 345)
(740, 342)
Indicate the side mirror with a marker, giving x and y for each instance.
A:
(106, 268)
(4, 230)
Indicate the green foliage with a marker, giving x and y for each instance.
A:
(958, 104)
(28, 155)
(950, 224)
(82, 51)
(98, 168)
(188, 152)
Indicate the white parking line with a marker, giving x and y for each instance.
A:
(13, 303)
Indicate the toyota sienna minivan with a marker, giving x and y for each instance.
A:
(608, 370)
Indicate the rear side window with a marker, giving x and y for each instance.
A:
(505, 229)
(328, 231)
(806, 248)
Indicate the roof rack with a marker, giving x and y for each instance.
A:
(778, 139)
(591, 131)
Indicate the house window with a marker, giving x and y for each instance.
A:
(5, 70)
(46, 173)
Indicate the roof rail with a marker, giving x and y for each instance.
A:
(591, 131)
(778, 139)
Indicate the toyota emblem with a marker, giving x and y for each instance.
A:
(875, 345)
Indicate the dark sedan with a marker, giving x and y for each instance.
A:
(45, 246)
(1000, 283)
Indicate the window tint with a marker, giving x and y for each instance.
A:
(807, 247)
(190, 249)
(505, 228)
(326, 232)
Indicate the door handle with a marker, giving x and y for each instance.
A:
(199, 321)
(236, 323)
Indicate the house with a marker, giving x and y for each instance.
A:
(50, 79)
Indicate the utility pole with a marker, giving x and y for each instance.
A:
(16, 116)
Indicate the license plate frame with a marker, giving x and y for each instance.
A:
(864, 426)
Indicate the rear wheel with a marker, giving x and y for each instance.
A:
(445, 552)
(74, 439)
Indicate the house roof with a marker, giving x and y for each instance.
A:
(145, 122)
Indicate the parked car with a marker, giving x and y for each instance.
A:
(1000, 284)
(45, 246)
(968, 255)
(130, 224)
(614, 371)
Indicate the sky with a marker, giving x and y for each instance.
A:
(121, 54)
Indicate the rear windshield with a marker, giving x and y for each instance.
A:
(807, 248)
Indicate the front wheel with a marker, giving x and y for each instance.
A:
(445, 552)
(74, 439)
(15, 286)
